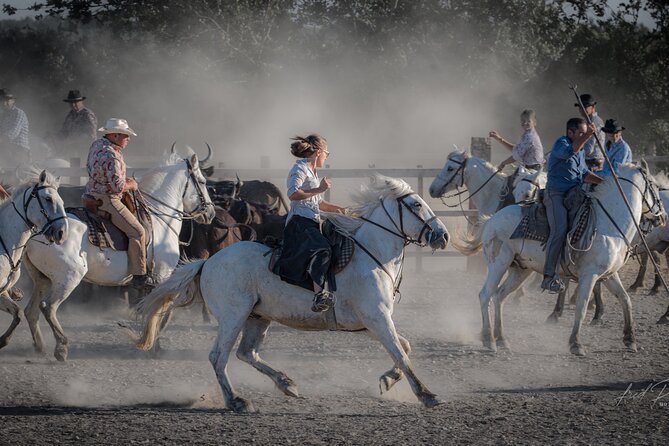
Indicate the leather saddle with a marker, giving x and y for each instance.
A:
(343, 248)
(101, 231)
(534, 222)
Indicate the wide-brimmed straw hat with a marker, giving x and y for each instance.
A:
(612, 126)
(74, 96)
(587, 99)
(117, 125)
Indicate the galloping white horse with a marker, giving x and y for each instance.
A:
(245, 297)
(609, 250)
(33, 208)
(173, 192)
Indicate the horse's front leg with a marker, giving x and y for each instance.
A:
(583, 291)
(11, 307)
(615, 286)
(381, 326)
(394, 375)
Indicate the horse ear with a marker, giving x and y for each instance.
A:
(194, 162)
(42, 176)
(645, 164)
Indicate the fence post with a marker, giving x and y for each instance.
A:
(480, 148)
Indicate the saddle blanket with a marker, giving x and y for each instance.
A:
(343, 248)
(534, 222)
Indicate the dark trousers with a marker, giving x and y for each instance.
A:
(557, 222)
(306, 252)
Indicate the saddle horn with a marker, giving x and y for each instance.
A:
(204, 160)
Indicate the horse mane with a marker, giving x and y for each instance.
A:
(30, 176)
(624, 171)
(367, 199)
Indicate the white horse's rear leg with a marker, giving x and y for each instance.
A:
(392, 376)
(381, 326)
(254, 332)
(231, 317)
(11, 307)
(616, 288)
(499, 261)
(513, 280)
(583, 291)
(40, 285)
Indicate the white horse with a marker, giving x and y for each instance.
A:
(527, 183)
(487, 186)
(33, 208)
(173, 192)
(245, 297)
(609, 250)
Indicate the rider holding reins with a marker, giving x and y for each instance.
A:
(305, 248)
(107, 182)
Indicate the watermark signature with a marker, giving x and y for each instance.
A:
(657, 393)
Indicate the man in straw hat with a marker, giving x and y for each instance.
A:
(80, 123)
(617, 149)
(14, 145)
(107, 182)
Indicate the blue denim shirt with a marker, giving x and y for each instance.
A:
(302, 177)
(566, 169)
(618, 153)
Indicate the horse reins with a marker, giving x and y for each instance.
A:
(31, 226)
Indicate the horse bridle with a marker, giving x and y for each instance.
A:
(26, 202)
(34, 193)
(401, 204)
(535, 184)
(461, 168)
(181, 215)
(656, 209)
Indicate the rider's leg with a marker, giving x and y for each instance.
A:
(557, 221)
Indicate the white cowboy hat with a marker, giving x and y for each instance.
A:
(116, 125)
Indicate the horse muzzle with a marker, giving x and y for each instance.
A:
(57, 232)
(438, 238)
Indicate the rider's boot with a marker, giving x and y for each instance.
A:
(323, 300)
(143, 282)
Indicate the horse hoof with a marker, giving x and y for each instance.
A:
(288, 387)
(60, 353)
(240, 405)
(552, 319)
(431, 401)
(597, 321)
(3, 342)
(503, 344)
(577, 350)
(631, 347)
(652, 292)
(490, 345)
(664, 320)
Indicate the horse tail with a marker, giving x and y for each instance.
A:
(162, 299)
(470, 242)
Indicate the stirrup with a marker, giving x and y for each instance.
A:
(553, 285)
(323, 300)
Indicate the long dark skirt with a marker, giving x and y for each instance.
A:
(306, 253)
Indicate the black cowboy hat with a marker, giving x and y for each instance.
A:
(74, 96)
(587, 99)
(5, 94)
(612, 126)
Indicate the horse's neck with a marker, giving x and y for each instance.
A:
(486, 199)
(385, 247)
(13, 230)
(163, 190)
(611, 200)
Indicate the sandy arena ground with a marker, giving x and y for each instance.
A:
(110, 393)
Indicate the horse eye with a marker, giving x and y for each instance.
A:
(417, 205)
(49, 199)
(449, 169)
